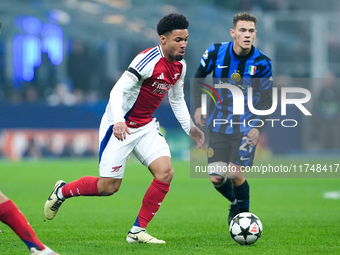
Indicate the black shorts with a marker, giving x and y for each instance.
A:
(230, 148)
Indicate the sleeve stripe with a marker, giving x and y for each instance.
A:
(151, 55)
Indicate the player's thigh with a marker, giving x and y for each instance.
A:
(242, 155)
(151, 146)
(161, 169)
(236, 174)
(113, 153)
(219, 151)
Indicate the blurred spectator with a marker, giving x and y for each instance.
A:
(31, 94)
(61, 96)
(79, 96)
(92, 97)
(33, 150)
(328, 109)
(233, 5)
(15, 96)
(45, 75)
(333, 47)
(81, 145)
(79, 66)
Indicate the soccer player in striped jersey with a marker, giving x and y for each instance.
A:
(233, 138)
(128, 126)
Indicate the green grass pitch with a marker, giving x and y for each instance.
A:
(296, 218)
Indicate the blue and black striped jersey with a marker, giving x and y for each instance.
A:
(253, 70)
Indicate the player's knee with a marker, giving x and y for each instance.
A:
(111, 189)
(108, 186)
(169, 174)
(166, 175)
(237, 181)
(216, 180)
(237, 175)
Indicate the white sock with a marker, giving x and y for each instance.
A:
(136, 229)
(60, 194)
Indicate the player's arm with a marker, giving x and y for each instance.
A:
(180, 109)
(129, 79)
(266, 88)
(121, 89)
(197, 85)
(128, 82)
(125, 84)
(205, 68)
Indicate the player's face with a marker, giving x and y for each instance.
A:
(244, 34)
(174, 44)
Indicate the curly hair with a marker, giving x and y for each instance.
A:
(171, 22)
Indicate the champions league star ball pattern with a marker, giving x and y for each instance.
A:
(245, 228)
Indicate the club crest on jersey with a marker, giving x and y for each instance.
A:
(236, 76)
(252, 70)
(116, 168)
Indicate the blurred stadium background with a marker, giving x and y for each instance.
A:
(60, 59)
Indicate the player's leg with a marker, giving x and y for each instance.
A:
(163, 173)
(221, 181)
(112, 159)
(11, 215)
(224, 186)
(153, 152)
(241, 187)
(242, 156)
(218, 155)
(85, 186)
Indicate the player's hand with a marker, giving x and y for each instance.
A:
(199, 118)
(253, 137)
(120, 129)
(198, 136)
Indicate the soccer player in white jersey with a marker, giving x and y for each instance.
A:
(127, 127)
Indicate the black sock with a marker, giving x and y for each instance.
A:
(242, 196)
(227, 190)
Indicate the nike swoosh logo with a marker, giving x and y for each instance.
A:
(219, 66)
(49, 198)
(134, 238)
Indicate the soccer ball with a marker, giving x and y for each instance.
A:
(245, 228)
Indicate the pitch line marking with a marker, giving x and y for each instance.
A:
(332, 195)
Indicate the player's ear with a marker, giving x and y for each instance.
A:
(162, 38)
(232, 33)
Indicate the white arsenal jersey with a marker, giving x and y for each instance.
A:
(142, 87)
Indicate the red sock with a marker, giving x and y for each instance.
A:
(151, 202)
(11, 215)
(85, 186)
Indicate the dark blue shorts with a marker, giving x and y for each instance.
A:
(230, 148)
